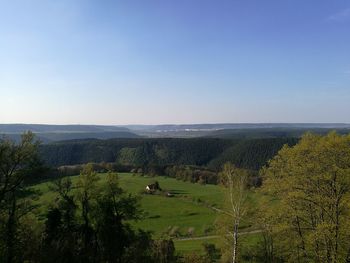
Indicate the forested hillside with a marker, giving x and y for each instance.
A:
(207, 152)
(52, 133)
(275, 132)
(134, 151)
(251, 154)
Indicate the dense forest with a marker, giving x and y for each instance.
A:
(206, 152)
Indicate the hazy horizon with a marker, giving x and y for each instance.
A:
(174, 62)
(190, 123)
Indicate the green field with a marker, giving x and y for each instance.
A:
(247, 243)
(189, 208)
(196, 245)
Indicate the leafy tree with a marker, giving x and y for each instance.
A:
(101, 233)
(114, 209)
(194, 258)
(87, 195)
(140, 249)
(15, 161)
(164, 251)
(211, 252)
(234, 181)
(311, 182)
(15, 165)
(61, 234)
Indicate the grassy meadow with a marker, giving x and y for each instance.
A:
(189, 208)
(187, 214)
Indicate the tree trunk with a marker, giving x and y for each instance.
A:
(11, 229)
(235, 242)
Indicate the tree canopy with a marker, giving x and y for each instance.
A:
(311, 185)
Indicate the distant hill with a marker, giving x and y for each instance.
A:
(44, 128)
(236, 130)
(49, 133)
(221, 126)
(271, 132)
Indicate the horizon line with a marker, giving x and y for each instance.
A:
(164, 124)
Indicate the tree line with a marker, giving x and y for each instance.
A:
(206, 152)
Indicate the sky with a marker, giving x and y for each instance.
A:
(174, 61)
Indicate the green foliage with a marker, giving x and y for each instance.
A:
(195, 258)
(211, 252)
(147, 153)
(96, 217)
(164, 251)
(134, 151)
(312, 183)
(187, 246)
(130, 156)
(161, 212)
(208, 254)
(192, 174)
(251, 154)
(16, 161)
(235, 182)
(90, 224)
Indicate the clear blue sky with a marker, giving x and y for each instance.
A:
(174, 61)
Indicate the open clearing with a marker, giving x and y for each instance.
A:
(188, 210)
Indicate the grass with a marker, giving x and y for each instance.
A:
(194, 246)
(188, 209)
(247, 243)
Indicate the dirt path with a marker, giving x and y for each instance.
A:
(216, 236)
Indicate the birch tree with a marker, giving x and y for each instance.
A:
(234, 181)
